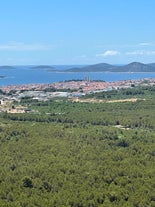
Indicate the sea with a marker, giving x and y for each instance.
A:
(20, 75)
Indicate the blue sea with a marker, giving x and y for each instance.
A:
(25, 75)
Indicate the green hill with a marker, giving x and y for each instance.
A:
(104, 67)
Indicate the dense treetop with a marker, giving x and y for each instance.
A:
(68, 154)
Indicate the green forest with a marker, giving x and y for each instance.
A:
(76, 154)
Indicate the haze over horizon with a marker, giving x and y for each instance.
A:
(79, 32)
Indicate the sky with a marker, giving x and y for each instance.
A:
(59, 32)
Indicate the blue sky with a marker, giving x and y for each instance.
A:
(76, 31)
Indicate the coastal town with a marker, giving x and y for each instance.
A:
(71, 89)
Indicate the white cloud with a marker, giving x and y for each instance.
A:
(146, 43)
(18, 61)
(20, 46)
(136, 45)
(136, 52)
(108, 53)
(150, 52)
(141, 52)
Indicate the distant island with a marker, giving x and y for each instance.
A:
(104, 67)
(134, 67)
(2, 76)
(44, 67)
(6, 67)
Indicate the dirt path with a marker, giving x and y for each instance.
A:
(104, 101)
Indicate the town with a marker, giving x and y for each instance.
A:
(69, 89)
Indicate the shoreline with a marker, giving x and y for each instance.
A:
(81, 85)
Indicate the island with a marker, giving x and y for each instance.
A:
(104, 67)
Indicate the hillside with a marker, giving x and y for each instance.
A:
(135, 67)
(93, 68)
(152, 64)
(104, 67)
(6, 67)
(44, 67)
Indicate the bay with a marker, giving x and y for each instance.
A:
(26, 75)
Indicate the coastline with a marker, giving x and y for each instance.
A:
(86, 86)
(26, 76)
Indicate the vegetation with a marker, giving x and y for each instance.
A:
(68, 154)
(147, 92)
(104, 67)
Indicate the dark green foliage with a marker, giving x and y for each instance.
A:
(78, 155)
(138, 92)
(123, 143)
(27, 182)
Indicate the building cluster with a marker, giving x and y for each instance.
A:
(86, 86)
(70, 89)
